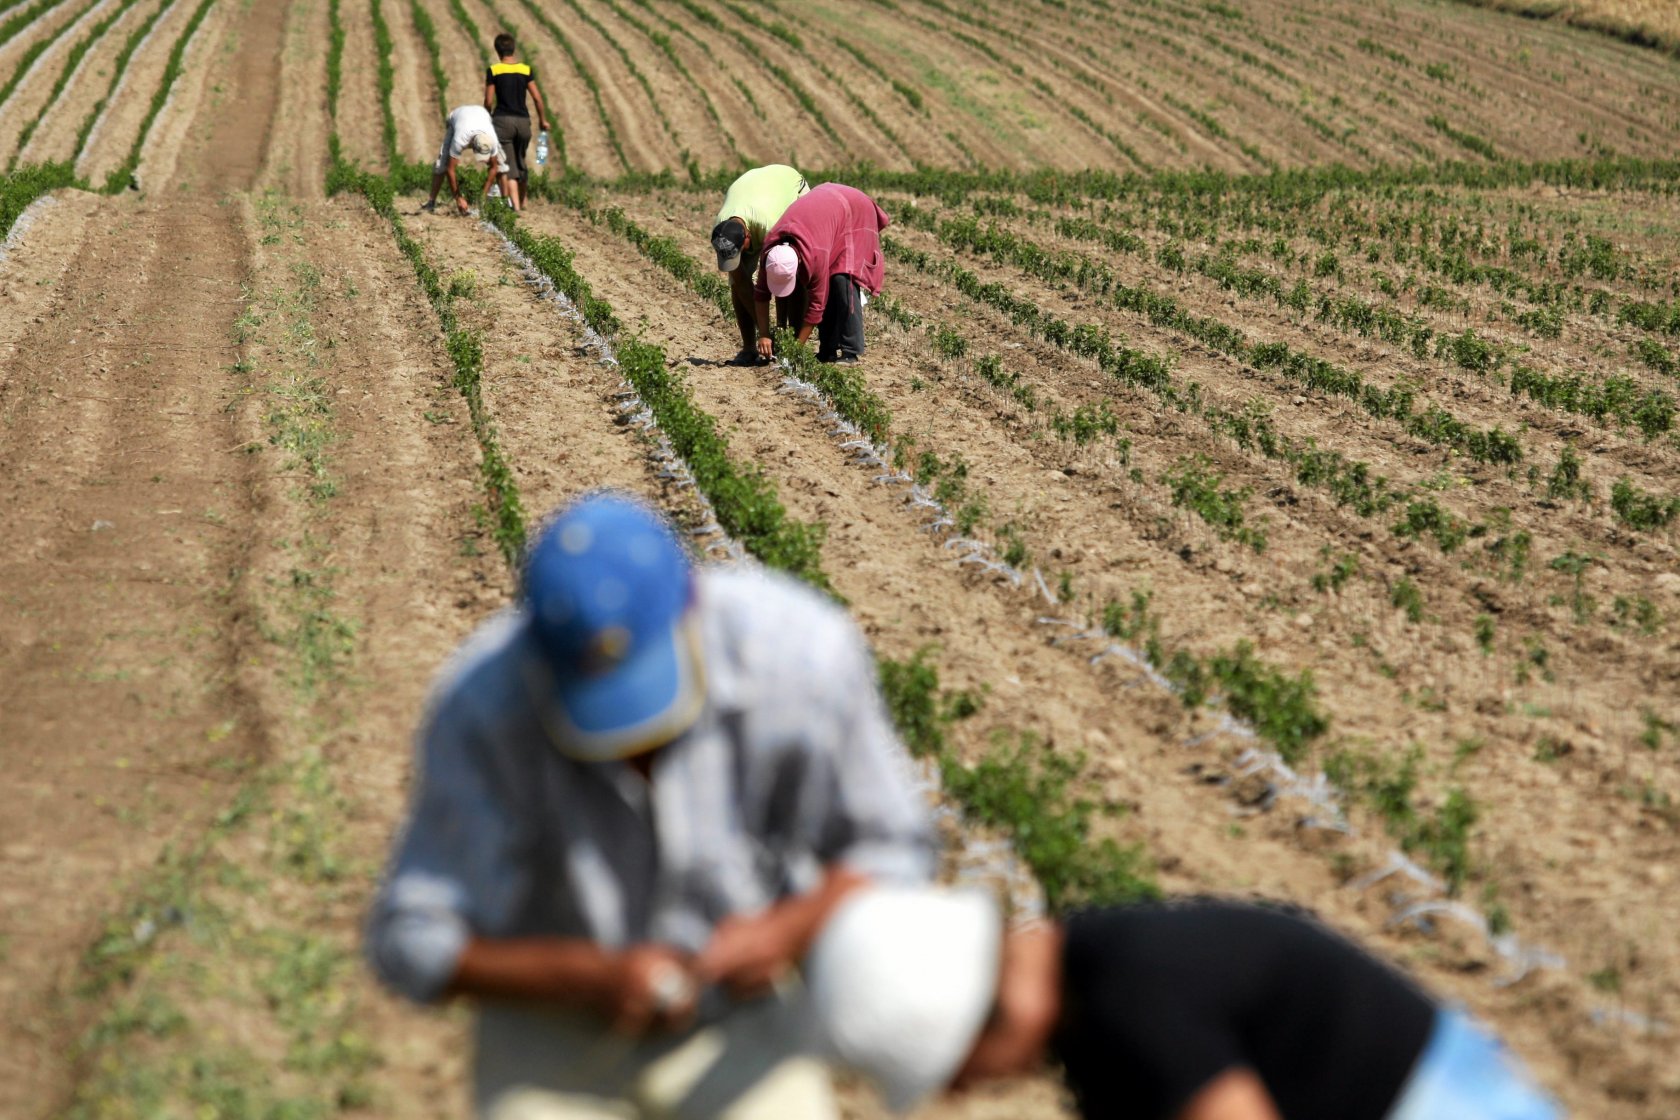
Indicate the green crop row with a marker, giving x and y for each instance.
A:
(1019, 787)
(135, 38)
(21, 187)
(65, 73)
(743, 499)
(121, 175)
(465, 346)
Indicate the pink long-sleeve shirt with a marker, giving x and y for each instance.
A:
(836, 230)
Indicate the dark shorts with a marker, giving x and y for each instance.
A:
(840, 334)
(514, 135)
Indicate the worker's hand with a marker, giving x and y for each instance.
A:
(652, 986)
(766, 348)
(461, 206)
(749, 955)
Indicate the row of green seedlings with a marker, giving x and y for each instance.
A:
(743, 500)
(22, 186)
(403, 175)
(465, 347)
(136, 39)
(74, 56)
(1435, 425)
(1279, 701)
(1617, 397)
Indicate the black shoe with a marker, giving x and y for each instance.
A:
(838, 359)
(745, 358)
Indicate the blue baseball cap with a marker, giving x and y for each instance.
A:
(608, 592)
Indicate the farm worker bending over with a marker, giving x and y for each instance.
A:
(468, 129)
(506, 86)
(1197, 1010)
(827, 246)
(754, 202)
(641, 790)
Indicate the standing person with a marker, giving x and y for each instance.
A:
(508, 85)
(641, 791)
(1195, 1010)
(828, 246)
(753, 204)
(468, 129)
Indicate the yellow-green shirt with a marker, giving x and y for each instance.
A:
(760, 196)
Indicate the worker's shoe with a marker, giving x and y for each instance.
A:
(745, 358)
(429, 207)
(843, 359)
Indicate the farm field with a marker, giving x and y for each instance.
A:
(1263, 479)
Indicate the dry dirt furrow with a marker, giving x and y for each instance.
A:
(675, 94)
(629, 112)
(1139, 762)
(360, 121)
(296, 159)
(463, 60)
(414, 96)
(132, 514)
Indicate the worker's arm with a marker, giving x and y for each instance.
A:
(492, 169)
(749, 954)
(455, 183)
(804, 334)
(536, 99)
(489, 97)
(1236, 1094)
(766, 346)
(634, 988)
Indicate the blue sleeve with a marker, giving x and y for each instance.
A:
(456, 870)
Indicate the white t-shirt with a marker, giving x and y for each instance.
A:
(464, 123)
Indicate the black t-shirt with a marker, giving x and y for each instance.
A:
(1160, 1000)
(510, 80)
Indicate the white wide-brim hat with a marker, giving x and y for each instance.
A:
(901, 981)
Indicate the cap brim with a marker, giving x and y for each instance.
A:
(643, 703)
(730, 261)
(782, 291)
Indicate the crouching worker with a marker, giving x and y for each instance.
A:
(640, 792)
(1200, 1010)
(754, 203)
(827, 248)
(468, 128)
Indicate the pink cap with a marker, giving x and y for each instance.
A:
(781, 270)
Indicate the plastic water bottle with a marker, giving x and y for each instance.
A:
(542, 148)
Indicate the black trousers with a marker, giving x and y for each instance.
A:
(840, 334)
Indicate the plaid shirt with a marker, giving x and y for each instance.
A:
(792, 765)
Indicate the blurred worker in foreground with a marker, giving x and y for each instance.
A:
(827, 247)
(641, 791)
(508, 87)
(468, 128)
(753, 204)
(1199, 1010)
